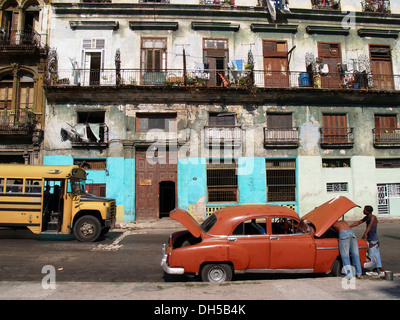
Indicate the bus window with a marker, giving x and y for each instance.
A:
(33, 186)
(1, 185)
(14, 185)
(76, 186)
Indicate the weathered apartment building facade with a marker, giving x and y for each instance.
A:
(23, 39)
(201, 104)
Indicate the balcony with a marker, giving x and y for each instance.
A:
(15, 122)
(223, 136)
(379, 6)
(281, 137)
(224, 78)
(87, 135)
(326, 4)
(386, 138)
(19, 40)
(337, 137)
(217, 2)
(154, 1)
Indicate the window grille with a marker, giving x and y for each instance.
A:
(281, 180)
(222, 182)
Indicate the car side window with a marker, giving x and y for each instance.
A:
(284, 226)
(251, 227)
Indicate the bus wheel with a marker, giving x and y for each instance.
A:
(87, 229)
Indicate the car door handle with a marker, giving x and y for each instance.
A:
(274, 238)
(232, 239)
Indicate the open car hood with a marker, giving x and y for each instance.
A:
(324, 216)
(187, 221)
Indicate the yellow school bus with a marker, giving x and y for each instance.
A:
(53, 199)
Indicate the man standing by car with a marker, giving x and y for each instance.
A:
(348, 245)
(371, 236)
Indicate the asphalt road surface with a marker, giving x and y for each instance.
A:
(121, 256)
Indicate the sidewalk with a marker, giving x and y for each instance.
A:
(324, 288)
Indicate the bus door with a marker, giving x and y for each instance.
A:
(53, 204)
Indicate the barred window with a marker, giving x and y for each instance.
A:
(222, 182)
(337, 187)
(91, 164)
(281, 180)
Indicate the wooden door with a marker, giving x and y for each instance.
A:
(276, 74)
(330, 54)
(381, 65)
(149, 173)
(334, 128)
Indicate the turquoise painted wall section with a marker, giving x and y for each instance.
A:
(252, 181)
(58, 160)
(115, 179)
(192, 181)
(129, 190)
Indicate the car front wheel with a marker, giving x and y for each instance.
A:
(220, 272)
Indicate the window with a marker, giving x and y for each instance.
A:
(14, 185)
(223, 119)
(33, 186)
(326, 4)
(387, 163)
(146, 122)
(97, 189)
(154, 60)
(335, 163)
(284, 226)
(6, 85)
(279, 120)
(336, 187)
(91, 164)
(222, 182)
(381, 66)
(281, 180)
(91, 127)
(251, 227)
(1, 185)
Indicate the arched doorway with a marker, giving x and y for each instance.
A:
(166, 198)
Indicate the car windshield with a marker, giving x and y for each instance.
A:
(76, 186)
(209, 223)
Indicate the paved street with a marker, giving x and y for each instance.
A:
(125, 258)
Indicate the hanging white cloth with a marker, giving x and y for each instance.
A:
(95, 127)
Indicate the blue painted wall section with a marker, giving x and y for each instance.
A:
(192, 181)
(252, 181)
(129, 190)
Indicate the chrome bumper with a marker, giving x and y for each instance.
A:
(168, 269)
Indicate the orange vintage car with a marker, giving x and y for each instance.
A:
(258, 239)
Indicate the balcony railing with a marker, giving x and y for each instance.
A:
(20, 39)
(386, 137)
(227, 78)
(332, 137)
(154, 1)
(223, 136)
(326, 4)
(382, 6)
(218, 2)
(14, 122)
(281, 137)
(87, 135)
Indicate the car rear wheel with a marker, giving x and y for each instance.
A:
(336, 270)
(220, 272)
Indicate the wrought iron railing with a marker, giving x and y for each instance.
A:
(217, 2)
(337, 136)
(326, 4)
(17, 38)
(386, 136)
(216, 136)
(224, 78)
(382, 6)
(281, 136)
